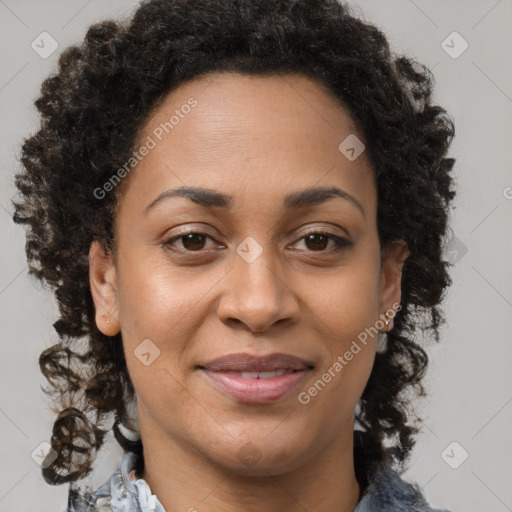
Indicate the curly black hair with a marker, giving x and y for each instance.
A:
(92, 110)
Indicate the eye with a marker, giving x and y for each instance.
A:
(192, 241)
(317, 241)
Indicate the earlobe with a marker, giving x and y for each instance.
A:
(394, 255)
(103, 284)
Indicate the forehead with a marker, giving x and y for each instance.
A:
(225, 101)
(251, 133)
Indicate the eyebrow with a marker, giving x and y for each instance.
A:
(210, 198)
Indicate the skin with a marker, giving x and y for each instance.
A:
(256, 139)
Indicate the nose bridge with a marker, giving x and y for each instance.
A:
(257, 293)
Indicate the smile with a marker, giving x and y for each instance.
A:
(255, 387)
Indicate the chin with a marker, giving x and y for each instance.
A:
(257, 456)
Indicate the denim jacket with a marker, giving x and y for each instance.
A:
(124, 492)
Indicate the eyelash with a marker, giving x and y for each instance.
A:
(340, 241)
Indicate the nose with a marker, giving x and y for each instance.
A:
(257, 295)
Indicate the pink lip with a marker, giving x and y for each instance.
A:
(224, 373)
(244, 362)
(255, 390)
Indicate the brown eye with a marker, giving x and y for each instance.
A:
(191, 242)
(316, 241)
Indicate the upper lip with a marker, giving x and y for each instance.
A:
(244, 362)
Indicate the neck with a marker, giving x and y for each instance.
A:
(184, 479)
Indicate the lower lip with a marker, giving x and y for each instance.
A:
(255, 390)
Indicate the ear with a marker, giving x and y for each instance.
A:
(103, 283)
(394, 255)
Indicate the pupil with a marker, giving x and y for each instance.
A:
(195, 238)
(312, 238)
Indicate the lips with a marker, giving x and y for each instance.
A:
(252, 379)
(244, 362)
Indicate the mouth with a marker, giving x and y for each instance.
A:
(255, 379)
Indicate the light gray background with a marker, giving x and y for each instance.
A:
(469, 378)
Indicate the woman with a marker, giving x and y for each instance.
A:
(241, 207)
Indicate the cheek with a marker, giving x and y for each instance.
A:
(347, 302)
(156, 314)
(347, 307)
(165, 305)
(154, 296)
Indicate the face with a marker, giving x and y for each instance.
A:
(256, 266)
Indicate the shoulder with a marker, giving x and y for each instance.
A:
(388, 492)
(84, 500)
(122, 492)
